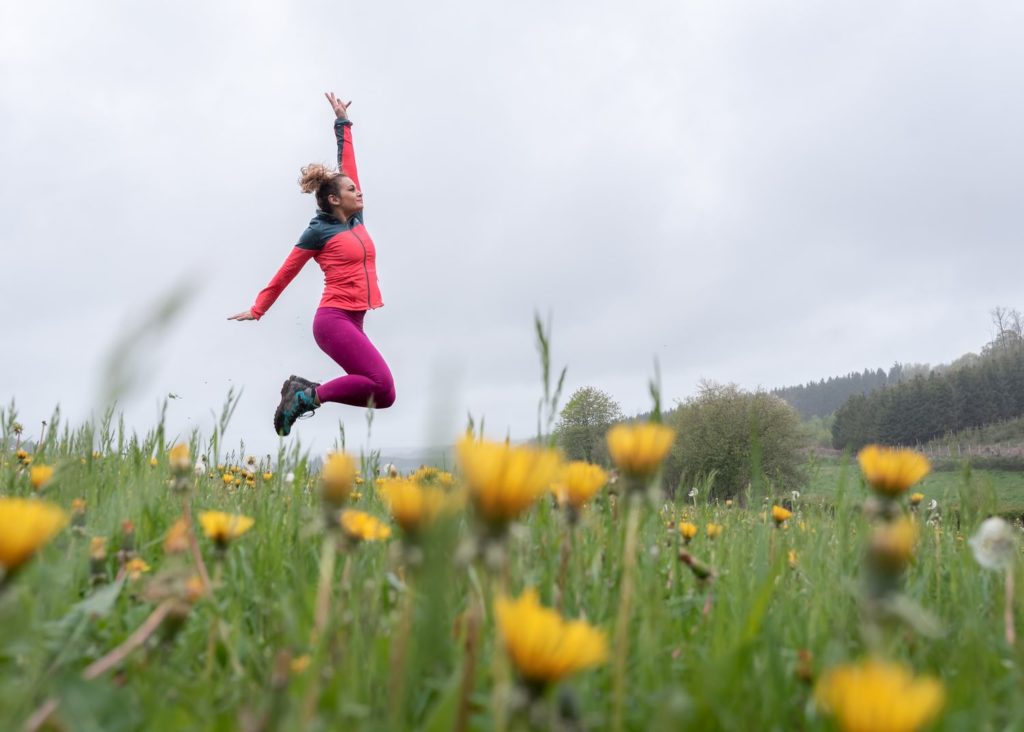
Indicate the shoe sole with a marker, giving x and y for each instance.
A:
(279, 412)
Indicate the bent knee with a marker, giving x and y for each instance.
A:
(385, 399)
(384, 393)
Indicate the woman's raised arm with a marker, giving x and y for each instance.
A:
(343, 134)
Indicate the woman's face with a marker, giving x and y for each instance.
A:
(350, 198)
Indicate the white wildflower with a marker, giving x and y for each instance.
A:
(289, 478)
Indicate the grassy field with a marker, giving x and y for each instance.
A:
(741, 650)
(986, 491)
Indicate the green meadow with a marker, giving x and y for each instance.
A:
(741, 649)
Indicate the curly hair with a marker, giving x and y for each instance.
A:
(321, 181)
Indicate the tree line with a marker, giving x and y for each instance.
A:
(980, 390)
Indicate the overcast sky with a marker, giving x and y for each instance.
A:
(758, 192)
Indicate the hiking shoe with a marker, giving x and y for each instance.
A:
(304, 383)
(296, 400)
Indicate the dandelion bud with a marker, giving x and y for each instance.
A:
(891, 545)
(176, 541)
(127, 539)
(98, 559)
(23, 457)
(78, 515)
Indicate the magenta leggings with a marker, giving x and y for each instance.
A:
(339, 333)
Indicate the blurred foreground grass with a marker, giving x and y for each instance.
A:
(738, 651)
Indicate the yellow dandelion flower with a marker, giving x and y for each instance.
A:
(40, 475)
(23, 457)
(891, 472)
(136, 568)
(713, 530)
(638, 449)
(877, 696)
(781, 515)
(413, 506)
(428, 474)
(237, 481)
(543, 645)
(78, 505)
(300, 663)
(728, 503)
(268, 475)
(228, 478)
(578, 483)
(25, 526)
(338, 477)
(687, 531)
(179, 458)
(892, 544)
(153, 462)
(916, 498)
(361, 526)
(791, 558)
(504, 481)
(222, 528)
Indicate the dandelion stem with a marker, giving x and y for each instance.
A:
(469, 665)
(625, 608)
(1011, 631)
(499, 662)
(397, 685)
(136, 639)
(323, 590)
(211, 640)
(193, 543)
(563, 569)
(41, 715)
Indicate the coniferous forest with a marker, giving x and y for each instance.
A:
(925, 407)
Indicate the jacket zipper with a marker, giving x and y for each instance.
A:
(366, 271)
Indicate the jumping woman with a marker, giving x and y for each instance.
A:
(340, 244)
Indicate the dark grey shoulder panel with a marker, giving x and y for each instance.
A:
(319, 231)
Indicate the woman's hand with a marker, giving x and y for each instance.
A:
(340, 108)
(247, 315)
